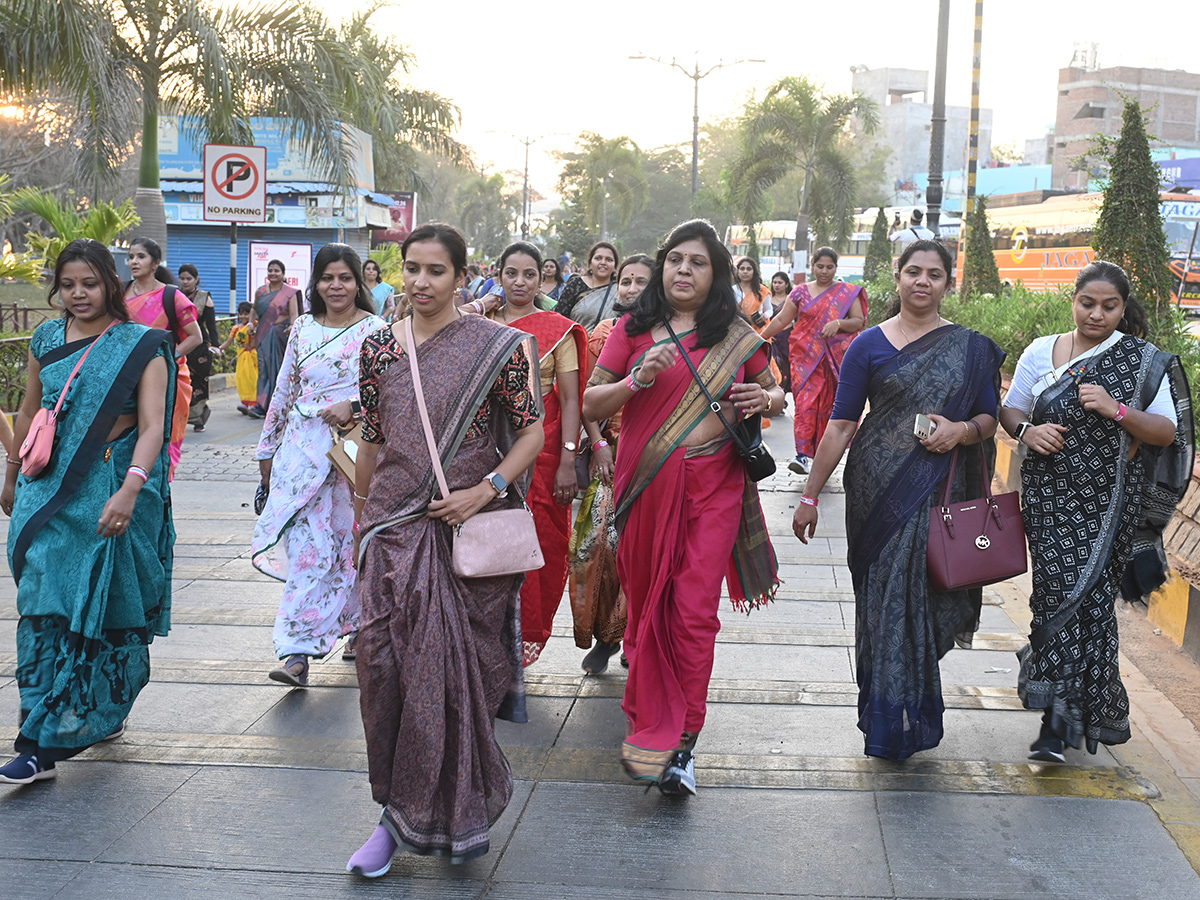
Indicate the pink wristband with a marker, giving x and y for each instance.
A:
(1122, 410)
(632, 384)
(808, 501)
(139, 472)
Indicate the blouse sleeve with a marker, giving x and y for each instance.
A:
(758, 368)
(613, 363)
(287, 389)
(566, 357)
(185, 314)
(208, 324)
(1030, 368)
(855, 378)
(368, 389)
(511, 391)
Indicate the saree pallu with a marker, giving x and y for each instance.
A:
(89, 606)
(1082, 507)
(438, 657)
(903, 626)
(148, 310)
(681, 511)
(587, 306)
(543, 589)
(816, 361)
(271, 337)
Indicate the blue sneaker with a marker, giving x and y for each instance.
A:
(26, 769)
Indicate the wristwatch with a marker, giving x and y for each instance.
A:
(1021, 429)
(496, 480)
(356, 408)
(570, 445)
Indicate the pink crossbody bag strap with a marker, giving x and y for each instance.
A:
(75, 371)
(429, 439)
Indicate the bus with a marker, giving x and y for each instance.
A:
(1044, 245)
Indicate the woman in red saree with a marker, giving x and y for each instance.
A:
(154, 303)
(827, 315)
(562, 346)
(688, 515)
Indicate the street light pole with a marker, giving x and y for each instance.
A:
(937, 132)
(696, 75)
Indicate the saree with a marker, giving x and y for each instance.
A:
(587, 306)
(1082, 508)
(439, 657)
(271, 337)
(903, 626)
(816, 361)
(304, 536)
(149, 310)
(597, 601)
(681, 513)
(89, 606)
(543, 589)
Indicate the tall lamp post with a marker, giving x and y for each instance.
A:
(526, 200)
(937, 134)
(696, 75)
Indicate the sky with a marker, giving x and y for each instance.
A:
(549, 69)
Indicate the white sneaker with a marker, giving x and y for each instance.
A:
(679, 777)
(801, 465)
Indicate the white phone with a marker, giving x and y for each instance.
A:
(924, 426)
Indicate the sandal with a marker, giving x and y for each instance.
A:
(294, 671)
(596, 662)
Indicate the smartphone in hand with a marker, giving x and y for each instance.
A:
(924, 426)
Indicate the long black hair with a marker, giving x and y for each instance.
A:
(161, 272)
(332, 253)
(756, 282)
(786, 280)
(101, 262)
(720, 308)
(1134, 320)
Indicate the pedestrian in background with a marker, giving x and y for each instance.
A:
(154, 301)
(439, 656)
(915, 231)
(589, 297)
(276, 306)
(914, 363)
(1095, 405)
(91, 541)
(383, 294)
(825, 315)
(688, 515)
(200, 360)
(241, 336)
(781, 287)
(304, 536)
(552, 278)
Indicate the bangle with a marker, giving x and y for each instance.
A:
(600, 443)
(1122, 410)
(632, 383)
(808, 501)
(478, 306)
(13, 462)
(966, 433)
(641, 385)
(139, 472)
(358, 496)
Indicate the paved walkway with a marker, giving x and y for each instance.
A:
(227, 785)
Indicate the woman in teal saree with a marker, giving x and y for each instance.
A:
(91, 540)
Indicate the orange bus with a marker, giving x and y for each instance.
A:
(1044, 245)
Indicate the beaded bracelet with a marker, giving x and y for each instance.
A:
(808, 501)
(12, 462)
(139, 472)
(641, 385)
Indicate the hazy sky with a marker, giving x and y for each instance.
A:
(555, 68)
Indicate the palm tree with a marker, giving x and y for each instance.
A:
(485, 213)
(604, 169)
(214, 66)
(798, 126)
(22, 266)
(102, 221)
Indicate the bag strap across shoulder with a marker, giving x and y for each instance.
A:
(411, 347)
(63, 394)
(714, 405)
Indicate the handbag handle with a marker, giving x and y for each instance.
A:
(63, 395)
(714, 405)
(424, 413)
(987, 476)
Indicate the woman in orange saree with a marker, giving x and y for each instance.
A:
(562, 346)
(154, 303)
(687, 514)
(827, 315)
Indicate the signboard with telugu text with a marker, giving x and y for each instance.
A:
(235, 183)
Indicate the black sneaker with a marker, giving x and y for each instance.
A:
(1049, 747)
(26, 769)
(679, 777)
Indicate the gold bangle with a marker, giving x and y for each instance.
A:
(966, 433)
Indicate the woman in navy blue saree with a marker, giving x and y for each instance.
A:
(915, 362)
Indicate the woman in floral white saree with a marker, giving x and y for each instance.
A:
(304, 536)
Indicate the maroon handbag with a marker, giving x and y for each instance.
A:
(975, 542)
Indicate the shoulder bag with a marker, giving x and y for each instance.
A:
(489, 544)
(38, 446)
(746, 434)
(975, 542)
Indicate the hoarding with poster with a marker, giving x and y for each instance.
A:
(296, 259)
(404, 219)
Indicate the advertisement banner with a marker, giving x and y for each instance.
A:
(404, 219)
(296, 259)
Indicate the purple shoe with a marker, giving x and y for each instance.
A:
(373, 858)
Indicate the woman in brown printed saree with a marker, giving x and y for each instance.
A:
(683, 499)
(438, 657)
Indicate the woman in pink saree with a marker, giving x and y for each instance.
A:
(827, 315)
(688, 515)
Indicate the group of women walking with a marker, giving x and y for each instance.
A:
(479, 407)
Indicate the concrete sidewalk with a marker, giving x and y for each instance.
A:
(227, 785)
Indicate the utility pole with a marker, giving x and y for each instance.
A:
(526, 193)
(937, 131)
(973, 138)
(696, 75)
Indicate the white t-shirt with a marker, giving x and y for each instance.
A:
(1036, 372)
(906, 236)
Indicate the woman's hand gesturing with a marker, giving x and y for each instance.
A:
(657, 359)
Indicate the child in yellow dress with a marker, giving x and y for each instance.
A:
(246, 374)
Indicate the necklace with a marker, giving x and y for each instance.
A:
(908, 339)
(1077, 372)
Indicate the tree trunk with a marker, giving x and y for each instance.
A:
(148, 201)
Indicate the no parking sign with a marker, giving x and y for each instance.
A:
(235, 183)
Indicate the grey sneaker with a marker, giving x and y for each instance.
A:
(801, 465)
(679, 777)
(294, 671)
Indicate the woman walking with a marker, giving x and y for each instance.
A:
(597, 601)
(153, 302)
(914, 363)
(781, 287)
(588, 298)
(439, 657)
(687, 513)
(200, 360)
(827, 315)
(304, 536)
(91, 539)
(382, 293)
(276, 306)
(1095, 406)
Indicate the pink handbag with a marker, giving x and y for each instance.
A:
(488, 544)
(38, 446)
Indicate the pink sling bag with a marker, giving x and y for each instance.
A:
(489, 544)
(38, 445)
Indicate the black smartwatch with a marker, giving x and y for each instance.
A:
(1021, 429)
